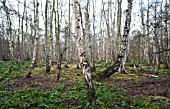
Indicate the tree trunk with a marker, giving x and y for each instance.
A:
(22, 30)
(166, 35)
(31, 39)
(147, 45)
(9, 35)
(46, 38)
(51, 36)
(156, 38)
(82, 54)
(124, 44)
(26, 35)
(119, 23)
(36, 30)
(87, 29)
(69, 37)
(142, 44)
(9, 31)
(94, 40)
(81, 19)
(18, 38)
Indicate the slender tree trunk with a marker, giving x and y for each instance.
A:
(118, 36)
(108, 39)
(112, 28)
(114, 32)
(46, 38)
(36, 30)
(81, 19)
(82, 54)
(166, 34)
(22, 30)
(31, 39)
(9, 35)
(9, 30)
(156, 38)
(148, 55)
(142, 44)
(87, 29)
(18, 38)
(69, 37)
(57, 32)
(51, 35)
(94, 46)
(26, 35)
(101, 42)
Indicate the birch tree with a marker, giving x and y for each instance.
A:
(22, 30)
(9, 29)
(94, 44)
(101, 42)
(18, 38)
(49, 52)
(69, 36)
(87, 29)
(166, 61)
(46, 37)
(142, 45)
(108, 38)
(51, 34)
(57, 34)
(124, 44)
(8, 33)
(31, 37)
(119, 17)
(82, 53)
(57, 31)
(156, 37)
(36, 36)
(147, 36)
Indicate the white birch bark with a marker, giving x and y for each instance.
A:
(36, 41)
(125, 37)
(81, 52)
(9, 31)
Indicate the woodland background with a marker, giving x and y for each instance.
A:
(122, 46)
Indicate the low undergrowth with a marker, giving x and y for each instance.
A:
(107, 96)
(131, 91)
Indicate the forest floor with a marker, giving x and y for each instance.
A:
(142, 87)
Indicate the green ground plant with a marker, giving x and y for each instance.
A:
(45, 92)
